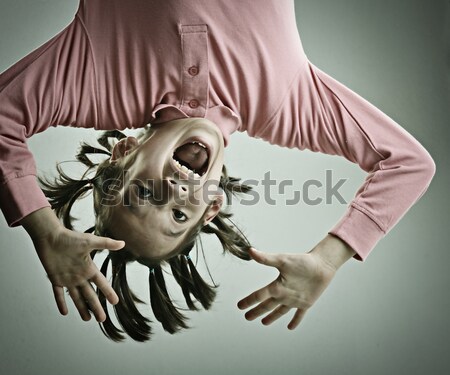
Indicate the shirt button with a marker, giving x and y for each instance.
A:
(193, 70)
(193, 103)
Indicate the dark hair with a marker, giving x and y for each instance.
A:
(63, 191)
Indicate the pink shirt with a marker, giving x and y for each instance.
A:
(241, 64)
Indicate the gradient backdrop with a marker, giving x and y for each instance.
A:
(388, 315)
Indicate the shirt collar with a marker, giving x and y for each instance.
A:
(227, 121)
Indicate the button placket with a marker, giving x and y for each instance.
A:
(195, 80)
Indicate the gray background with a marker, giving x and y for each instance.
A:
(387, 315)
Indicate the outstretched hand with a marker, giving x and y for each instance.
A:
(67, 261)
(302, 279)
(65, 255)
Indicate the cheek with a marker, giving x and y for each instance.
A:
(216, 171)
(210, 191)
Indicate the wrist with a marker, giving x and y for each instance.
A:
(41, 223)
(333, 251)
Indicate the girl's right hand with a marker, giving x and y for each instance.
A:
(65, 255)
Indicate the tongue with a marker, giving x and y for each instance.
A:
(192, 154)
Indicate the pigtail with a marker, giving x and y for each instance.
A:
(86, 149)
(63, 192)
(163, 308)
(181, 274)
(231, 185)
(108, 328)
(129, 317)
(190, 281)
(133, 323)
(231, 238)
(202, 291)
(104, 138)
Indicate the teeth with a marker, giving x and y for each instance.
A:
(186, 169)
(200, 144)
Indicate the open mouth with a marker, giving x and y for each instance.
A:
(192, 158)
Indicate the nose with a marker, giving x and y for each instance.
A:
(177, 187)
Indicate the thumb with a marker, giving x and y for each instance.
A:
(106, 243)
(268, 259)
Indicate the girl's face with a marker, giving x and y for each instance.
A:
(171, 186)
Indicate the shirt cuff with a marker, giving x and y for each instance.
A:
(20, 197)
(359, 231)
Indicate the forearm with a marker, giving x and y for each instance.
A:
(333, 251)
(322, 115)
(40, 223)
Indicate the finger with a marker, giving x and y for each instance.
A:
(105, 243)
(275, 314)
(256, 297)
(58, 292)
(268, 259)
(262, 308)
(93, 302)
(295, 321)
(80, 304)
(105, 288)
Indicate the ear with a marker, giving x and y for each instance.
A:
(214, 208)
(123, 148)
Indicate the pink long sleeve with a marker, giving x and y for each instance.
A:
(322, 115)
(124, 64)
(52, 86)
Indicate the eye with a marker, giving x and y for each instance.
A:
(144, 193)
(179, 216)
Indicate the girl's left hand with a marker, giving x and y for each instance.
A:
(302, 279)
